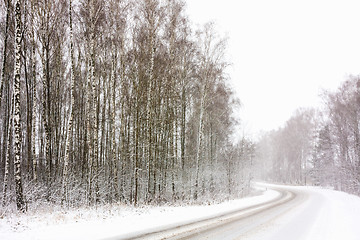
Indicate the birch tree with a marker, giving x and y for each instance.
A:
(210, 70)
(9, 144)
(72, 102)
(20, 203)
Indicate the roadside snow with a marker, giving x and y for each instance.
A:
(338, 218)
(107, 222)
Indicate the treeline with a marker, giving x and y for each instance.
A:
(319, 147)
(284, 153)
(119, 101)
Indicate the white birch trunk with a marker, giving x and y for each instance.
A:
(199, 141)
(69, 129)
(7, 157)
(148, 115)
(16, 116)
(89, 130)
(113, 133)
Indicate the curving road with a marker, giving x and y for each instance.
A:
(290, 214)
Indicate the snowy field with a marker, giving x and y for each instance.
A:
(323, 214)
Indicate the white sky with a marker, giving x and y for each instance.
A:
(284, 51)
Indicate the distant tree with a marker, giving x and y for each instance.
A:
(290, 148)
(343, 111)
(323, 160)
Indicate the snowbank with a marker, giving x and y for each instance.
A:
(106, 222)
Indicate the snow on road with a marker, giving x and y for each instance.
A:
(314, 214)
(338, 215)
(320, 214)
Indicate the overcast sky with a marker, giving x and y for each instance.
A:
(284, 51)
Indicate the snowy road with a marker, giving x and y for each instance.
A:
(297, 213)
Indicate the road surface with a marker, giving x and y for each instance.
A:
(292, 214)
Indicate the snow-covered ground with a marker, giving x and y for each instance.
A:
(106, 222)
(321, 214)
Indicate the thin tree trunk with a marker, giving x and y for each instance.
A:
(148, 118)
(199, 143)
(5, 50)
(183, 138)
(7, 157)
(45, 112)
(2, 80)
(34, 97)
(72, 102)
(113, 133)
(20, 204)
(137, 160)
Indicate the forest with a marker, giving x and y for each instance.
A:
(126, 101)
(115, 102)
(318, 147)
